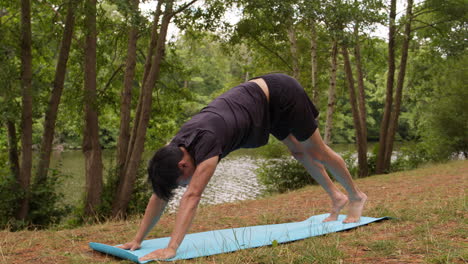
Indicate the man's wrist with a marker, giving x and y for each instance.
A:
(138, 240)
(173, 247)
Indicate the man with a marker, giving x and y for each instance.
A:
(243, 117)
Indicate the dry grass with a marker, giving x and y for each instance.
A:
(429, 204)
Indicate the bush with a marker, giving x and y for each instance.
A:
(281, 175)
(274, 149)
(45, 208)
(46, 204)
(140, 195)
(9, 197)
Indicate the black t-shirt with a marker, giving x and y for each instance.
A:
(237, 119)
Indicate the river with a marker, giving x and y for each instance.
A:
(233, 180)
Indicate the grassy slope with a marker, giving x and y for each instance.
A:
(430, 204)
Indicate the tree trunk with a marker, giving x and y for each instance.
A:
(360, 82)
(360, 141)
(147, 68)
(293, 48)
(399, 88)
(132, 166)
(380, 168)
(364, 171)
(91, 146)
(331, 94)
(126, 98)
(26, 112)
(51, 114)
(313, 62)
(13, 149)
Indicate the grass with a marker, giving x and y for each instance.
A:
(428, 204)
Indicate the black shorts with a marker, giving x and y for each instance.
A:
(291, 111)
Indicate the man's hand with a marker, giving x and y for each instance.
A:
(133, 245)
(163, 253)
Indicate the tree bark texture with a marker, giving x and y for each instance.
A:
(364, 171)
(132, 166)
(147, 68)
(380, 168)
(126, 94)
(360, 141)
(361, 88)
(399, 87)
(54, 101)
(91, 146)
(331, 93)
(13, 149)
(26, 112)
(313, 62)
(293, 48)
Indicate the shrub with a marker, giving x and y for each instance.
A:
(9, 197)
(140, 195)
(274, 149)
(45, 207)
(281, 175)
(46, 204)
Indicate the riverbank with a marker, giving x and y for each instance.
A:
(429, 204)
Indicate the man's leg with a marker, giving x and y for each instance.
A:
(317, 150)
(319, 174)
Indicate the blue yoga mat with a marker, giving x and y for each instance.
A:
(229, 240)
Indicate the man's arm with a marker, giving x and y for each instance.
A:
(153, 212)
(187, 209)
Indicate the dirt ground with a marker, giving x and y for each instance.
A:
(428, 204)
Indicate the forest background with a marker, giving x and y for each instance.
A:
(93, 75)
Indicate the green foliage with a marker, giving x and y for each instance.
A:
(46, 203)
(446, 119)
(282, 175)
(138, 202)
(9, 197)
(273, 150)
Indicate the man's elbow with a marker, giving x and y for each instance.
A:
(192, 198)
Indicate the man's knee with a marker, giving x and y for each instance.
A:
(298, 154)
(320, 156)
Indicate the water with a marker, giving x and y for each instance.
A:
(233, 180)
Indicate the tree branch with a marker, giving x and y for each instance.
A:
(182, 8)
(272, 51)
(113, 76)
(433, 25)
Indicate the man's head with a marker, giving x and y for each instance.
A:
(171, 166)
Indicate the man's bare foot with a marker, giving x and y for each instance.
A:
(356, 205)
(337, 204)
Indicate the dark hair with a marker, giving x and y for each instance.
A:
(163, 171)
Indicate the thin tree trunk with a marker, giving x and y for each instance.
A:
(126, 98)
(91, 146)
(51, 114)
(147, 68)
(360, 141)
(13, 148)
(364, 171)
(380, 167)
(132, 166)
(313, 62)
(399, 88)
(360, 82)
(26, 113)
(331, 94)
(294, 53)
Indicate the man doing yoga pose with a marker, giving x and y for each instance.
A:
(243, 117)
